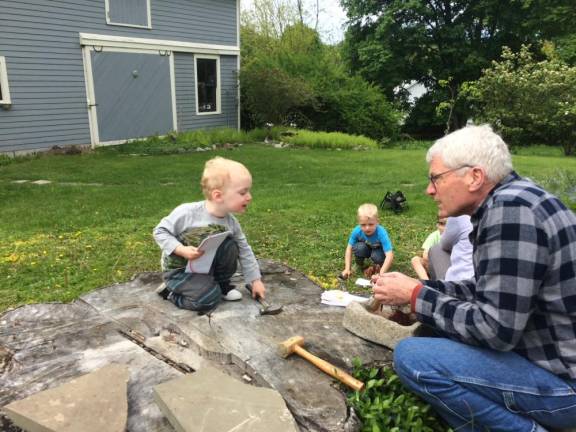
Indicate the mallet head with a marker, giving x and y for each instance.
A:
(287, 347)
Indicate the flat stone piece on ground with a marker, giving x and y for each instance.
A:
(96, 402)
(46, 345)
(375, 328)
(211, 401)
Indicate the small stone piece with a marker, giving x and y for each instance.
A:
(20, 181)
(211, 401)
(41, 182)
(374, 327)
(96, 402)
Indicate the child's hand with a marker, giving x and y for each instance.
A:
(345, 274)
(258, 289)
(188, 252)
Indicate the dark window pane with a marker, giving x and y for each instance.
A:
(207, 84)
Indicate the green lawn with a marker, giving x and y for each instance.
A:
(66, 238)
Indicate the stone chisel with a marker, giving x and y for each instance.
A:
(265, 307)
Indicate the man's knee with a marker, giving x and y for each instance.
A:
(414, 354)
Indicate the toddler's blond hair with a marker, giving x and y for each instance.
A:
(218, 172)
(368, 210)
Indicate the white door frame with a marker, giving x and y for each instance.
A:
(91, 95)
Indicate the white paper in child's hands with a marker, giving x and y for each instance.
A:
(209, 246)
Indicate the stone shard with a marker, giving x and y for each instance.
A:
(211, 401)
(96, 402)
(375, 328)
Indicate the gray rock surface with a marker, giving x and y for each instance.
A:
(95, 402)
(211, 401)
(47, 345)
(375, 327)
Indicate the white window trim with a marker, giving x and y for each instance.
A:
(148, 12)
(4, 83)
(218, 87)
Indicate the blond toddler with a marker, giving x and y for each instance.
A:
(368, 240)
(226, 185)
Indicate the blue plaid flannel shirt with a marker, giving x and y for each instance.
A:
(523, 295)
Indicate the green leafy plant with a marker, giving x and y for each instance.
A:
(529, 101)
(385, 405)
(304, 138)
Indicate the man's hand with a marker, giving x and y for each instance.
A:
(345, 274)
(394, 288)
(188, 252)
(258, 289)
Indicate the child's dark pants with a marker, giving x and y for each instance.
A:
(203, 292)
(363, 250)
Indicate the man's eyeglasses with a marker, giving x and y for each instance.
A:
(434, 178)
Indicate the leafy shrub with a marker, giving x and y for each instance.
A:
(325, 140)
(528, 101)
(295, 78)
(385, 405)
(183, 142)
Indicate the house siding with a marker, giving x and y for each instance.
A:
(186, 94)
(40, 42)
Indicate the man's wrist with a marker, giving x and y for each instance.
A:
(414, 296)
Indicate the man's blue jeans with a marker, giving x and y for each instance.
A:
(478, 389)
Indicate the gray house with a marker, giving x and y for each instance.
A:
(104, 71)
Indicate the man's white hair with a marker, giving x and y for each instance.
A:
(474, 146)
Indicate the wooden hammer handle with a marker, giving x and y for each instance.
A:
(330, 369)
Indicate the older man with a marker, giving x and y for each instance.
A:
(506, 356)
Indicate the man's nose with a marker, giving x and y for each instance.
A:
(431, 189)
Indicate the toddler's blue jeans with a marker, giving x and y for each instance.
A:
(362, 251)
(478, 389)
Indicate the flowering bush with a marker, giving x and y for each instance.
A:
(528, 101)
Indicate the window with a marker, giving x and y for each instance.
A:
(4, 90)
(130, 13)
(207, 84)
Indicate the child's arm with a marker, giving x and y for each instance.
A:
(387, 262)
(418, 266)
(347, 262)
(258, 289)
(188, 252)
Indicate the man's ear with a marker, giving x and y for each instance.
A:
(477, 179)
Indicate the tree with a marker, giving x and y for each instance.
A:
(529, 101)
(294, 77)
(443, 44)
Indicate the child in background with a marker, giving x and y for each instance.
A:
(420, 264)
(226, 186)
(370, 240)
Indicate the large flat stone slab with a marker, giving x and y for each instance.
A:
(96, 402)
(50, 344)
(211, 401)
